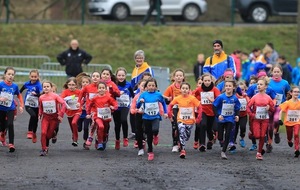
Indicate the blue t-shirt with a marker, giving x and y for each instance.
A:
(227, 107)
(31, 87)
(124, 100)
(281, 88)
(252, 90)
(8, 91)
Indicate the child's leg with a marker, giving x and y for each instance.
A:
(75, 127)
(149, 132)
(80, 124)
(117, 120)
(86, 124)
(33, 121)
(124, 122)
(139, 130)
(296, 136)
(243, 124)
(100, 129)
(10, 126)
(44, 129)
(203, 129)
(289, 133)
(228, 129)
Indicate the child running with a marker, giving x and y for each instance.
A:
(73, 111)
(291, 111)
(7, 106)
(99, 109)
(186, 114)
(258, 109)
(197, 128)
(227, 110)
(51, 111)
(120, 115)
(151, 116)
(34, 89)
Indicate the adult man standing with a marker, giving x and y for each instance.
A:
(219, 62)
(198, 67)
(73, 58)
(154, 4)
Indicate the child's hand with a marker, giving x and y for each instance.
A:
(33, 93)
(236, 118)
(211, 99)
(121, 92)
(21, 109)
(142, 100)
(112, 107)
(88, 116)
(60, 119)
(221, 118)
(268, 107)
(165, 116)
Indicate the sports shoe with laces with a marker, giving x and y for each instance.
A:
(34, 139)
(242, 143)
(117, 144)
(150, 156)
(175, 148)
(209, 145)
(75, 143)
(290, 144)
(253, 147)
(269, 148)
(182, 154)
(277, 138)
(125, 142)
(89, 141)
(155, 139)
(43, 153)
(297, 153)
(11, 148)
(29, 135)
(85, 146)
(223, 156)
(202, 148)
(100, 146)
(2, 136)
(196, 145)
(141, 152)
(3, 143)
(259, 156)
(232, 147)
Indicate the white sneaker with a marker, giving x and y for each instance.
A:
(141, 152)
(175, 148)
(223, 156)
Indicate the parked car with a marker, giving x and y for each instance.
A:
(259, 10)
(189, 10)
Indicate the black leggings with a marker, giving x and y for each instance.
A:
(206, 126)
(120, 119)
(242, 125)
(132, 123)
(151, 128)
(7, 121)
(227, 127)
(86, 124)
(139, 129)
(33, 121)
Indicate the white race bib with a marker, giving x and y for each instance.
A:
(32, 101)
(104, 113)
(123, 100)
(278, 98)
(243, 103)
(49, 107)
(71, 102)
(151, 108)
(204, 97)
(293, 115)
(91, 95)
(186, 113)
(261, 113)
(227, 109)
(9, 98)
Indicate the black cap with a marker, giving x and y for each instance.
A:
(218, 42)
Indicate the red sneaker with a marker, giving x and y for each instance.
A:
(117, 145)
(259, 156)
(155, 140)
(196, 145)
(182, 154)
(34, 139)
(2, 136)
(135, 144)
(29, 135)
(125, 142)
(150, 156)
(89, 141)
(11, 148)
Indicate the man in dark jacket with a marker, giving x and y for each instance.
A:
(153, 6)
(198, 67)
(286, 73)
(73, 58)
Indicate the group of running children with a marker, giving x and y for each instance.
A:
(220, 109)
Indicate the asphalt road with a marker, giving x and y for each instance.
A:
(67, 167)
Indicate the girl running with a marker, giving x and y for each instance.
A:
(99, 109)
(34, 89)
(7, 106)
(258, 109)
(73, 111)
(150, 100)
(51, 111)
(170, 93)
(197, 128)
(120, 115)
(186, 114)
(206, 94)
(227, 110)
(291, 111)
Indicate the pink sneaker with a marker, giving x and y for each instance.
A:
(155, 140)
(150, 156)
(135, 144)
(89, 141)
(125, 142)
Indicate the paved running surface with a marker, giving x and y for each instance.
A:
(69, 168)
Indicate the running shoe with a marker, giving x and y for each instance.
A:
(290, 144)
(242, 143)
(223, 156)
(259, 156)
(75, 143)
(29, 135)
(3, 143)
(135, 144)
(34, 138)
(117, 144)
(196, 145)
(175, 148)
(269, 148)
(263, 151)
(297, 153)
(132, 136)
(150, 156)
(2, 136)
(104, 145)
(202, 148)
(209, 145)
(43, 153)
(11, 148)
(100, 146)
(125, 142)
(277, 138)
(86, 147)
(141, 152)
(231, 146)
(89, 141)
(253, 147)
(182, 154)
(54, 137)
(155, 139)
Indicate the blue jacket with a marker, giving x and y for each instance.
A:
(8, 91)
(127, 90)
(296, 73)
(32, 87)
(252, 90)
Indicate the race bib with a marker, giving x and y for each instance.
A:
(204, 97)
(261, 113)
(227, 109)
(9, 98)
(186, 113)
(293, 115)
(151, 108)
(104, 113)
(243, 103)
(32, 101)
(91, 95)
(278, 98)
(49, 106)
(71, 102)
(123, 100)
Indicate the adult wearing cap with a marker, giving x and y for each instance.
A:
(219, 62)
(73, 58)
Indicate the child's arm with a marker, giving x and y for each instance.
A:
(21, 103)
